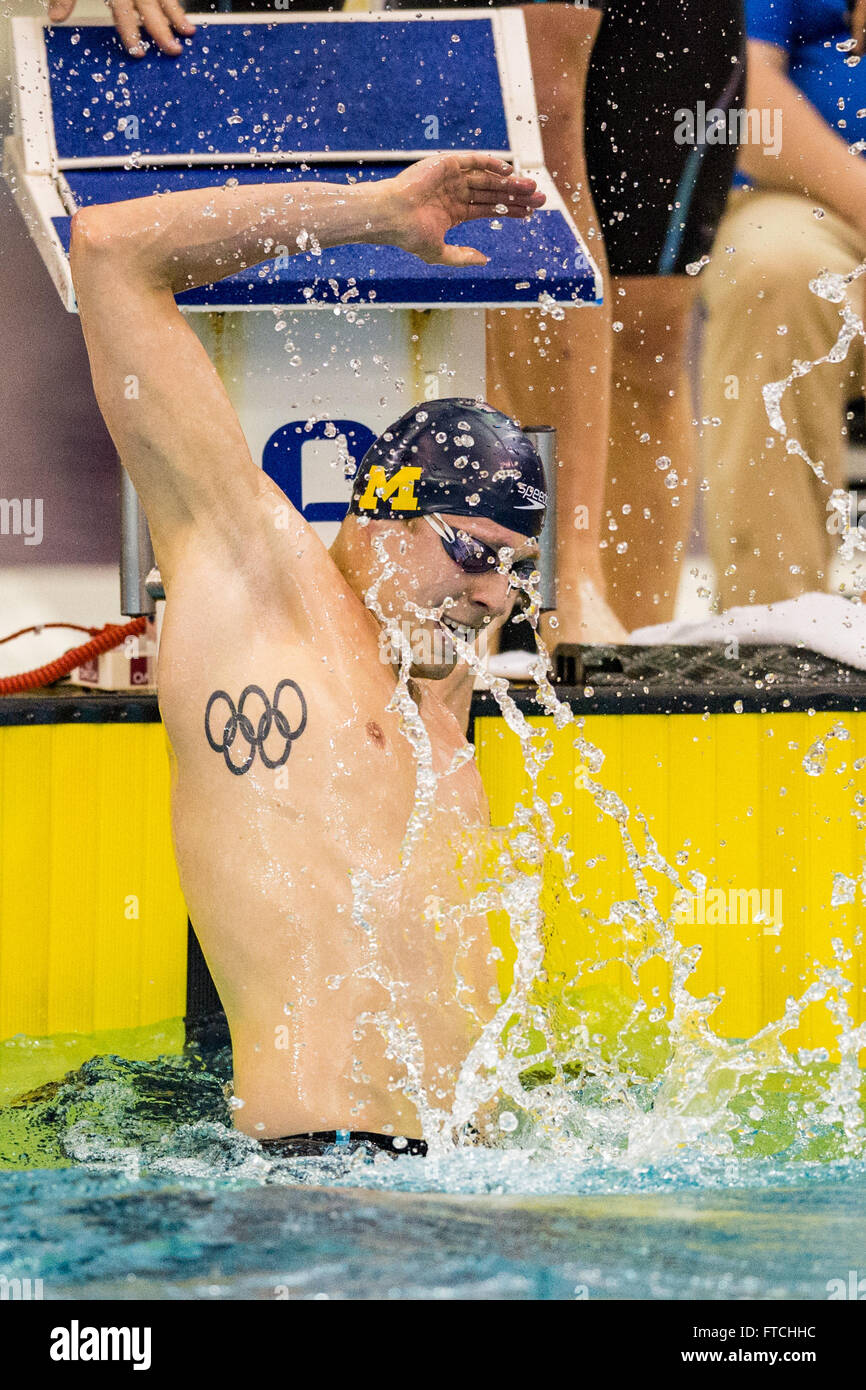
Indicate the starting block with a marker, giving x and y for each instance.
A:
(318, 352)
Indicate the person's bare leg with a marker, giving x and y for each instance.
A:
(546, 371)
(650, 503)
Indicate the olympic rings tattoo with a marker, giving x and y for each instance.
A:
(239, 725)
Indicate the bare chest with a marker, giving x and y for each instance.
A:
(314, 755)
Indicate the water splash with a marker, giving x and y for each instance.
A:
(833, 288)
(539, 1077)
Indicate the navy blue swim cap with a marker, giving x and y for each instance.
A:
(453, 456)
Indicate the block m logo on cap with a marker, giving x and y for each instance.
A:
(398, 490)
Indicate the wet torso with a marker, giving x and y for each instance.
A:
(328, 949)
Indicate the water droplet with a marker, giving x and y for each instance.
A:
(844, 890)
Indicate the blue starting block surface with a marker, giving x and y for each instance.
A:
(253, 90)
(525, 256)
(336, 98)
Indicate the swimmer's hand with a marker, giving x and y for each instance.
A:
(159, 17)
(438, 193)
(857, 13)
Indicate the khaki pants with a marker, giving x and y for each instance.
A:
(766, 512)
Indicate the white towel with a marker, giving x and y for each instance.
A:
(825, 623)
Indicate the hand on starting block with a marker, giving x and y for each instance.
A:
(159, 18)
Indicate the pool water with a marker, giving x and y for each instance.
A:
(124, 1179)
(107, 1236)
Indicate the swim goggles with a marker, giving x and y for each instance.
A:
(474, 556)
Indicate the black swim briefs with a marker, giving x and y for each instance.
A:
(660, 197)
(334, 1143)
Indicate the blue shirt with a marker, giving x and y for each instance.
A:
(809, 31)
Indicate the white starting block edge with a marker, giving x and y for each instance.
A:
(35, 172)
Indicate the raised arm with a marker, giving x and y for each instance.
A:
(165, 406)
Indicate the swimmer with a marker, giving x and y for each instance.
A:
(291, 777)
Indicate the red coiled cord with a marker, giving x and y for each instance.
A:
(103, 639)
